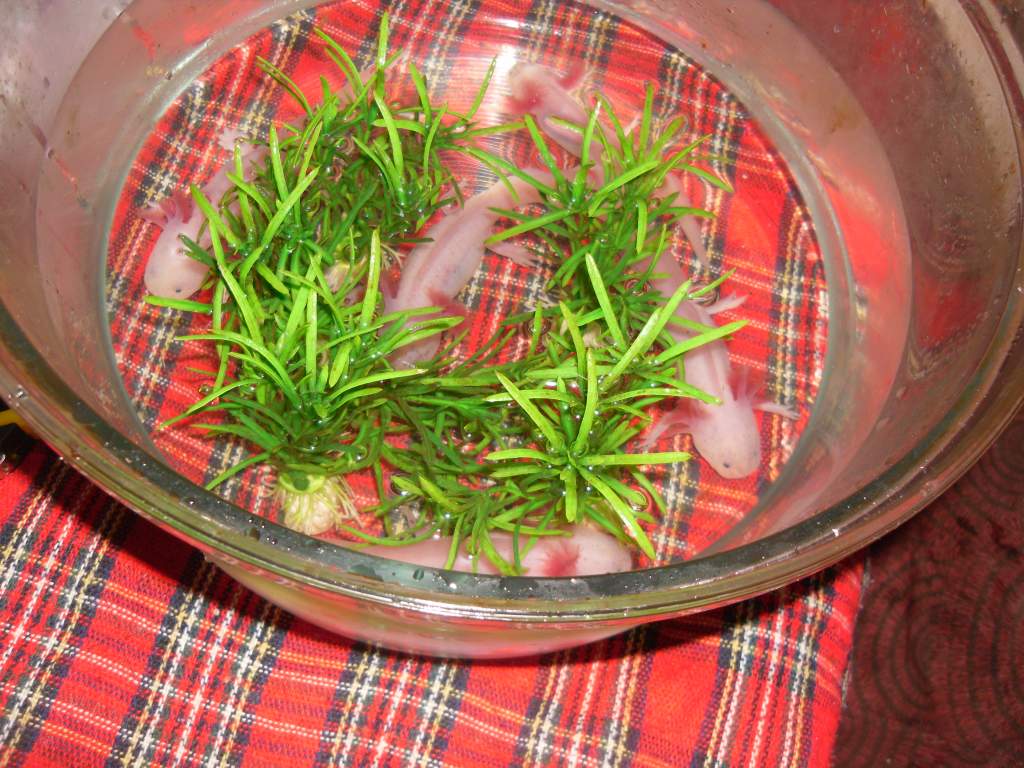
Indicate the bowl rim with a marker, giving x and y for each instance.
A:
(225, 532)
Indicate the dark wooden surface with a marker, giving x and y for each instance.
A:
(937, 673)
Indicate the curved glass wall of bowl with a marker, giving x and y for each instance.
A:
(924, 98)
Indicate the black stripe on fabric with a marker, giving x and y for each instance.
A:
(268, 626)
(109, 521)
(187, 599)
(361, 670)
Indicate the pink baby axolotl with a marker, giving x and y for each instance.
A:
(437, 270)
(584, 551)
(170, 271)
(726, 434)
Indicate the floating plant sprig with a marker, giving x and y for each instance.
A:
(309, 377)
(551, 449)
(590, 409)
(615, 206)
(381, 161)
(298, 251)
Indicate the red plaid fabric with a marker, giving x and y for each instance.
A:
(121, 646)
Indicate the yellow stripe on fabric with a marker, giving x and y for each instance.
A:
(679, 488)
(359, 692)
(186, 620)
(15, 551)
(787, 289)
(770, 691)
(540, 724)
(397, 700)
(258, 649)
(37, 510)
(594, 670)
(537, 41)
(622, 705)
(807, 662)
(737, 651)
(83, 578)
(722, 145)
(219, 626)
(722, 699)
(601, 32)
(751, 633)
(440, 693)
(71, 736)
(444, 38)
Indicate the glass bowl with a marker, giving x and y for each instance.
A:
(901, 123)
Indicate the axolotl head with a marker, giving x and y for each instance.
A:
(727, 437)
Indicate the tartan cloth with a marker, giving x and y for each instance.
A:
(120, 645)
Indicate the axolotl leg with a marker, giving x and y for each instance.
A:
(539, 91)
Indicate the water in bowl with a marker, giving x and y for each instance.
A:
(769, 233)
